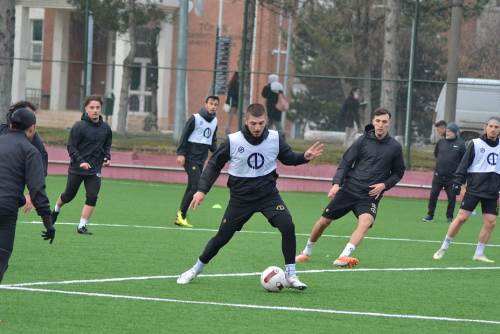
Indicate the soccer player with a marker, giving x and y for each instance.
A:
(440, 127)
(481, 169)
(252, 155)
(20, 165)
(372, 165)
(199, 136)
(89, 146)
(448, 153)
(35, 141)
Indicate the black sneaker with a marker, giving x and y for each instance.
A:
(83, 230)
(54, 216)
(428, 219)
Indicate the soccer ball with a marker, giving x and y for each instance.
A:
(273, 279)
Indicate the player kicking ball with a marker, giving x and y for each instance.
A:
(371, 165)
(252, 155)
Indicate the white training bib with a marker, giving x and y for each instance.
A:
(203, 131)
(485, 158)
(247, 160)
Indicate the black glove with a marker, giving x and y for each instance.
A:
(50, 232)
(456, 188)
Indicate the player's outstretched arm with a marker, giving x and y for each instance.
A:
(314, 151)
(198, 197)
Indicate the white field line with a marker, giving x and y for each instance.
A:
(312, 271)
(265, 232)
(261, 307)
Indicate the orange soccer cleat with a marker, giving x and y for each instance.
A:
(346, 261)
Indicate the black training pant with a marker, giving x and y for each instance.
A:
(92, 186)
(439, 183)
(238, 213)
(7, 234)
(193, 171)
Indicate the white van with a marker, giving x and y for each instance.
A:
(477, 100)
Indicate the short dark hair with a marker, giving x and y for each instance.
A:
(22, 104)
(256, 110)
(440, 123)
(91, 98)
(381, 111)
(493, 118)
(212, 97)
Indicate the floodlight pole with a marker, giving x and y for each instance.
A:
(242, 70)
(87, 50)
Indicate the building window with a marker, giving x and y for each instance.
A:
(140, 86)
(36, 41)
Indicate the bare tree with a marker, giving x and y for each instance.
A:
(390, 64)
(127, 63)
(7, 20)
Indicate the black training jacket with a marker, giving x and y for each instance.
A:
(89, 142)
(195, 152)
(483, 185)
(21, 165)
(370, 161)
(448, 153)
(245, 189)
(36, 141)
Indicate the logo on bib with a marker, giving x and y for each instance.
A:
(492, 158)
(255, 161)
(207, 133)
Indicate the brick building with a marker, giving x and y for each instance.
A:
(49, 59)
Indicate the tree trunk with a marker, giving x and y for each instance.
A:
(151, 120)
(7, 24)
(390, 63)
(121, 127)
(361, 47)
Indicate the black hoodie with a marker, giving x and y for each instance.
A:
(89, 142)
(369, 161)
(247, 189)
(195, 152)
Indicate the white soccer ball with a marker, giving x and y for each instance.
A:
(273, 279)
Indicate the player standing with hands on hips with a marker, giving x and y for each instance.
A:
(252, 155)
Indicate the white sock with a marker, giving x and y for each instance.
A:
(57, 208)
(349, 248)
(290, 270)
(83, 222)
(480, 249)
(309, 248)
(198, 267)
(446, 242)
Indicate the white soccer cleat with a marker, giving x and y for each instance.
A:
(293, 282)
(439, 254)
(187, 276)
(482, 258)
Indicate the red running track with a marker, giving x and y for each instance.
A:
(324, 171)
